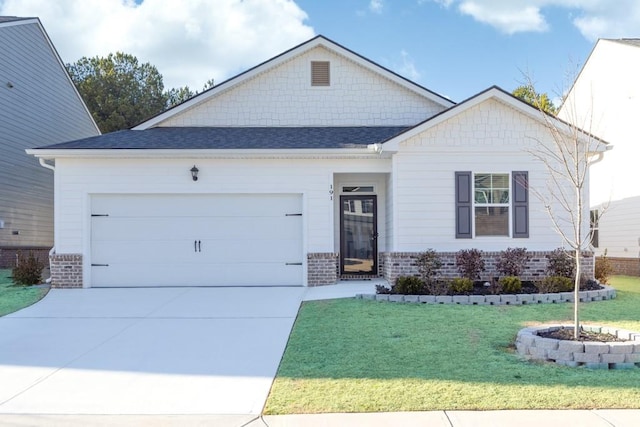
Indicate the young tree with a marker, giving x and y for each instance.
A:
(118, 90)
(567, 160)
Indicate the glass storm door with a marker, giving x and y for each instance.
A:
(358, 235)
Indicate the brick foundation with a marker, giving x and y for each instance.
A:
(396, 264)
(322, 268)
(625, 266)
(66, 270)
(8, 255)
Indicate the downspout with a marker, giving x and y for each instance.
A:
(50, 167)
(598, 159)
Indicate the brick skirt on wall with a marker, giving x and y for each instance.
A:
(625, 266)
(9, 255)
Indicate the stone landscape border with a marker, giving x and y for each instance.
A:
(606, 293)
(590, 354)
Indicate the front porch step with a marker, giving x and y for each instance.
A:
(359, 276)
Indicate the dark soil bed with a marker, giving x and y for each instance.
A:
(567, 335)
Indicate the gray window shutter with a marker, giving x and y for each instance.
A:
(520, 198)
(463, 205)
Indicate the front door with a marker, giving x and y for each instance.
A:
(358, 235)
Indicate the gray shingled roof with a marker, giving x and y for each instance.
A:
(11, 18)
(176, 138)
(631, 42)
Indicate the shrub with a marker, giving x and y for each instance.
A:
(510, 284)
(437, 287)
(28, 271)
(603, 268)
(560, 263)
(470, 263)
(555, 284)
(512, 261)
(429, 264)
(382, 289)
(408, 285)
(461, 285)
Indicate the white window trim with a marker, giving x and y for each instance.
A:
(501, 205)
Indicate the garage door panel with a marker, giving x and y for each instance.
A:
(162, 274)
(155, 205)
(196, 240)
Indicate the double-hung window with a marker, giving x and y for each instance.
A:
(491, 204)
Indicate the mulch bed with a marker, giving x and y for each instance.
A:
(567, 335)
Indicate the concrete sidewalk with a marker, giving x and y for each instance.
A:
(577, 418)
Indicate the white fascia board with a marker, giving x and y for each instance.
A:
(181, 154)
(284, 57)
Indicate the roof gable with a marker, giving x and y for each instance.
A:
(287, 68)
(493, 93)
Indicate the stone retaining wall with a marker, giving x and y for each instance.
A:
(591, 354)
(516, 299)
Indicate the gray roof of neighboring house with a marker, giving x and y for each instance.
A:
(631, 42)
(230, 138)
(12, 18)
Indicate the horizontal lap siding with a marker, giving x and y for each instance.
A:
(619, 229)
(487, 138)
(79, 178)
(41, 108)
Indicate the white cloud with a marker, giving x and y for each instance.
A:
(189, 41)
(407, 67)
(593, 18)
(376, 6)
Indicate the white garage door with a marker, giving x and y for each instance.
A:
(196, 240)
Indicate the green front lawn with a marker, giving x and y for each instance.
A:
(365, 356)
(14, 298)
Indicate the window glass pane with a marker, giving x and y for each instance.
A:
(500, 196)
(358, 189)
(500, 180)
(492, 221)
(483, 180)
(483, 196)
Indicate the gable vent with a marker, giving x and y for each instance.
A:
(320, 73)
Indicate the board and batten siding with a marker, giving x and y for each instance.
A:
(488, 138)
(40, 108)
(78, 179)
(284, 96)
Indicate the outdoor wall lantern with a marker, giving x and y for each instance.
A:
(194, 173)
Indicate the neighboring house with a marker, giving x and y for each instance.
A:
(38, 105)
(605, 100)
(313, 166)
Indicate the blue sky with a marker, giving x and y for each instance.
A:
(453, 47)
(449, 52)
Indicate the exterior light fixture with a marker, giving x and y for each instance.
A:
(194, 173)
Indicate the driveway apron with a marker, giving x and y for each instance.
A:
(145, 351)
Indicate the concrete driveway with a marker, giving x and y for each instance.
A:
(145, 351)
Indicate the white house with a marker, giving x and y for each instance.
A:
(38, 105)
(313, 166)
(605, 100)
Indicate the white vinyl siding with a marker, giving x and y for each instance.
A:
(77, 180)
(285, 97)
(489, 137)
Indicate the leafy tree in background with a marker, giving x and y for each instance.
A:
(120, 92)
(539, 100)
